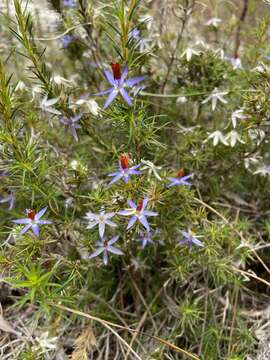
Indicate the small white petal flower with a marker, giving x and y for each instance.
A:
(47, 343)
(213, 22)
(263, 170)
(217, 137)
(181, 99)
(59, 80)
(151, 168)
(203, 44)
(20, 86)
(47, 105)
(236, 63)
(101, 220)
(36, 90)
(189, 52)
(261, 68)
(90, 104)
(237, 114)
(233, 137)
(252, 160)
(256, 135)
(214, 97)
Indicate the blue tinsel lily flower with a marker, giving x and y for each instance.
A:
(124, 170)
(138, 213)
(105, 246)
(66, 40)
(69, 3)
(181, 179)
(145, 238)
(8, 198)
(190, 239)
(118, 80)
(102, 219)
(33, 221)
(72, 124)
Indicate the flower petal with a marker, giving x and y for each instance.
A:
(115, 250)
(134, 81)
(101, 229)
(144, 222)
(132, 204)
(150, 213)
(105, 257)
(109, 77)
(104, 92)
(96, 253)
(110, 99)
(124, 74)
(113, 240)
(144, 204)
(132, 221)
(52, 111)
(49, 102)
(110, 223)
(197, 241)
(74, 133)
(22, 221)
(108, 215)
(35, 229)
(125, 96)
(116, 178)
(26, 228)
(127, 212)
(44, 222)
(92, 224)
(40, 213)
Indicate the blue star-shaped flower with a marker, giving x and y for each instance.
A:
(181, 179)
(32, 221)
(190, 239)
(124, 170)
(119, 82)
(138, 213)
(105, 246)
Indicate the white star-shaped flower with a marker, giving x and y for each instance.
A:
(236, 63)
(237, 114)
(189, 52)
(217, 137)
(213, 22)
(256, 135)
(261, 68)
(91, 105)
(20, 86)
(101, 220)
(263, 170)
(46, 105)
(216, 96)
(36, 90)
(59, 80)
(46, 342)
(181, 100)
(233, 137)
(151, 168)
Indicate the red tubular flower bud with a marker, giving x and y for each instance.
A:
(139, 205)
(31, 214)
(116, 69)
(181, 173)
(124, 159)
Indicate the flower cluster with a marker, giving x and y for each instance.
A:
(138, 212)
